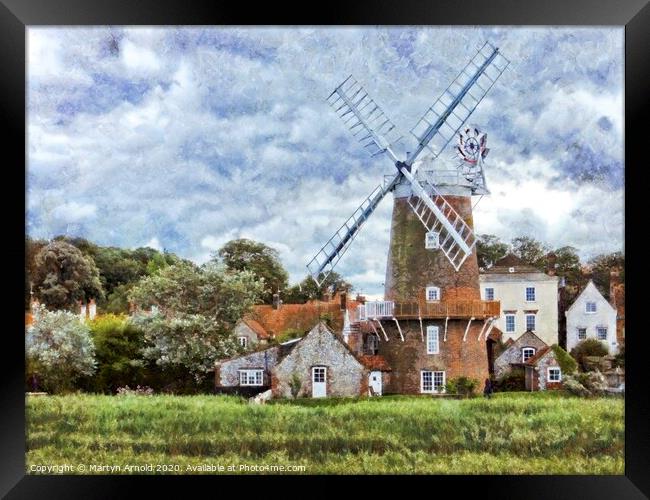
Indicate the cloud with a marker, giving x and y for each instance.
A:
(193, 136)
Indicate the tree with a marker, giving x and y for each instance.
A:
(601, 267)
(307, 289)
(198, 308)
(489, 249)
(118, 352)
(63, 275)
(588, 347)
(32, 247)
(59, 349)
(263, 261)
(531, 251)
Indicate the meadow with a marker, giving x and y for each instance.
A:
(513, 433)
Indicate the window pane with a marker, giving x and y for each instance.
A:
(438, 380)
(530, 294)
(602, 333)
(427, 381)
(510, 322)
(432, 339)
(530, 322)
(489, 294)
(582, 333)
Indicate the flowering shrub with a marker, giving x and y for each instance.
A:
(140, 390)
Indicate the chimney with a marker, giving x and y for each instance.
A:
(276, 301)
(92, 309)
(326, 297)
(360, 298)
(551, 263)
(614, 281)
(344, 301)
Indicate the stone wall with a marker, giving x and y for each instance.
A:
(513, 353)
(227, 372)
(456, 357)
(346, 376)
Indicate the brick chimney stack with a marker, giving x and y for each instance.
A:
(551, 260)
(344, 300)
(614, 281)
(276, 301)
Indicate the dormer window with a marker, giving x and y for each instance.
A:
(432, 293)
(432, 240)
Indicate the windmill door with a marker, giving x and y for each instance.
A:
(318, 382)
(375, 382)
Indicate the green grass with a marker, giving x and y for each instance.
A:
(513, 433)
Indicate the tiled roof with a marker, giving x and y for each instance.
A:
(256, 327)
(538, 355)
(375, 362)
(503, 265)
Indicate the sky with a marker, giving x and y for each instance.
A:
(185, 138)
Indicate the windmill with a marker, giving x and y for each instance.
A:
(436, 196)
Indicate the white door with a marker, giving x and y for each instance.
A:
(375, 382)
(318, 382)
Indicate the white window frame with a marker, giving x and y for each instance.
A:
(514, 322)
(251, 377)
(548, 374)
(432, 240)
(587, 311)
(318, 369)
(433, 339)
(534, 316)
(434, 289)
(523, 353)
(534, 299)
(243, 341)
(433, 374)
(578, 333)
(598, 329)
(485, 292)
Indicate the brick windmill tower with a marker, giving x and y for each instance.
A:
(432, 324)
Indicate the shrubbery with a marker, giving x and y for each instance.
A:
(586, 348)
(514, 380)
(463, 386)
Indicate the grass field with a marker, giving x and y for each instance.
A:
(513, 433)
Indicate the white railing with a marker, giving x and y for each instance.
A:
(376, 309)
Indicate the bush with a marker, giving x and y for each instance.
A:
(295, 384)
(138, 391)
(514, 380)
(619, 359)
(567, 364)
(463, 386)
(586, 348)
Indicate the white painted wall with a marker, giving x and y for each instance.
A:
(577, 317)
(511, 291)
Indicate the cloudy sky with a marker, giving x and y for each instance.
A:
(183, 139)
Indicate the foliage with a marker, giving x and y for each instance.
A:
(600, 268)
(514, 380)
(531, 251)
(295, 384)
(261, 260)
(138, 391)
(63, 275)
(586, 348)
(307, 289)
(513, 433)
(619, 359)
(462, 385)
(567, 364)
(489, 249)
(118, 346)
(289, 334)
(59, 349)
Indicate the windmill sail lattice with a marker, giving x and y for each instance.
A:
(442, 121)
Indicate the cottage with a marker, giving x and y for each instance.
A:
(591, 316)
(529, 298)
(543, 371)
(250, 332)
(518, 352)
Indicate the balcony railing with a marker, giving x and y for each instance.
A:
(413, 310)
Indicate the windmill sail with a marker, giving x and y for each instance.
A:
(328, 256)
(446, 116)
(364, 117)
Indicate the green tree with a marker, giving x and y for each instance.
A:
(59, 349)
(489, 249)
(601, 267)
(32, 247)
(307, 289)
(63, 275)
(198, 308)
(531, 251)
(588, 347)
(263, 261)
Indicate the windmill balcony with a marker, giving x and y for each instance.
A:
(387, 309)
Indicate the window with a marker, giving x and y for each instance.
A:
(590, 307)
(318, 374)
(243, 341)
(530, 294)
(554, 374)
(527, 353)
(433, 336)
(601, 332)
(432, 240)
(582, 333)
(373, 344)
(251, 377)
(489, 293)
(510, 323)
(433, 293)
(431, 381)
(530, 322)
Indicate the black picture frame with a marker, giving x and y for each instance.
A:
(634, 15)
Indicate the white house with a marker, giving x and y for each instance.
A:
(529, 298)
(591, 317)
